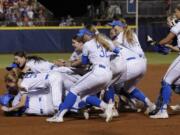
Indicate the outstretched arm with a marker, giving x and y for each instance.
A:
(168, 39)
(174, 48)
(18, 106)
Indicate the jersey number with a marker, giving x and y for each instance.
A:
(30, 76)
(103, 52)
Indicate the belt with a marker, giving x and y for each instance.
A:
(102, 66)
(132, 58)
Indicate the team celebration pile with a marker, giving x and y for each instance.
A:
(100, 76)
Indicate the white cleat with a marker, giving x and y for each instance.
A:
(86, 115)
(56, 118)
(109, 112)
(175, 108)
(114, 113)
(150, 109)
(161, 114)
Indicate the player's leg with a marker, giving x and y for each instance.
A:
(88, 83)
(56, 88)
(170, 77)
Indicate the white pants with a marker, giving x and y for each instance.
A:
(40, 105)
(173, 73)
(93, 81)
(136, 69)
(118, 68)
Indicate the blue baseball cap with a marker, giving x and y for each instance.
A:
(84, 31)
(4, 99)
(117, 23)
(11, 66)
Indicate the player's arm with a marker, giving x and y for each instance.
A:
(60, 62)
(174, 48)
(85, 54)
(18, 106)
(168, 39)
(75, 63)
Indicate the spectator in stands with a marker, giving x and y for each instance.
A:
(113, 10)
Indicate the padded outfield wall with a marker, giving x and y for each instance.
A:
(58, 39)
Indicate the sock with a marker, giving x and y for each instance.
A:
(93, 100)
(63, 113)
(69, 101)
(109, 95)
(136, 93)
(166, 92)
(148, 102)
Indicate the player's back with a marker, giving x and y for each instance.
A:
(97, 54)
(35, 81)
(134, 46)
(40, 66)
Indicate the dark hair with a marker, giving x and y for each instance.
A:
(77, 38)
(23, 54)
(35, 58)
(178, 7)
(20, 54)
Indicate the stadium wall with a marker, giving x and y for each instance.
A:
(57, 39)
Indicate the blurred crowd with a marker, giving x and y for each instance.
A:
(22, 13)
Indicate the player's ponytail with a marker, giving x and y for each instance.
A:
(100, 38)
(128, 34)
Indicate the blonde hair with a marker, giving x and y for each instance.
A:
(101, 38)
(128, 34)
(12, 76)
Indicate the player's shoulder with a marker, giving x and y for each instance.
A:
(89, 43)
(177, 25)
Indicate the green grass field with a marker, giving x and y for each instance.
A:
(153, 58)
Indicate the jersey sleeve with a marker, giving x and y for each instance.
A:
(176, 29)
(24, 85)
(85, 51)
(73, 56)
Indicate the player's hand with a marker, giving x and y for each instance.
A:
(60, 62)
(168, 45)
(4, 108)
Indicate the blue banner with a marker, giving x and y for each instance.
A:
(131, 6)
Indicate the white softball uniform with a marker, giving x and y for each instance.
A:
(173, 73)
(40, 104)
(75, 55)
(40, 66)
(135, 61)
(39, 82)
(100, 75)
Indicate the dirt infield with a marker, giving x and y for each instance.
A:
(125, 124)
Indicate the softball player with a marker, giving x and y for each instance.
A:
(40, 104)
(172, 74)
(135, 61)
(32, 104)
(41, 81)
(122, 68)
(91, 82)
